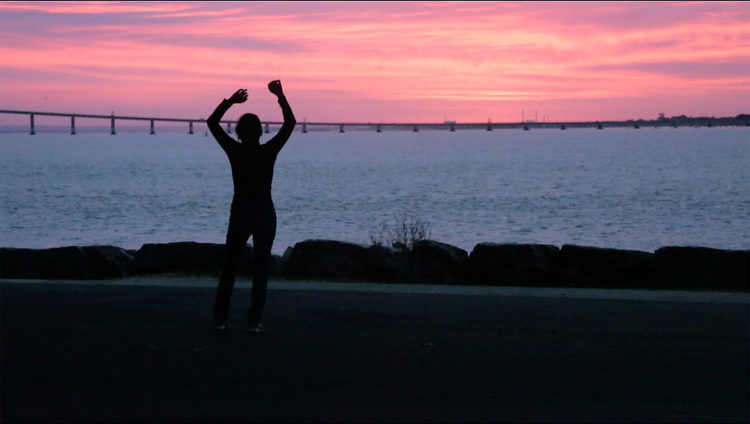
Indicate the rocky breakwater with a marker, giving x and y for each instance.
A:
(701, 267)
(537, 265)
(71, 262)
(514, 264)
(105, 262)
(191, 258)
(587, 266)
(426, 262)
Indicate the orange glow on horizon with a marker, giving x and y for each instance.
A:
(382, 61)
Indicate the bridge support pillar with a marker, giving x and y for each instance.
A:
(341, 128)
(489, 125)
(72, 125)
(453, 126)
(304, 127)
(112, 126)
(267, 129)
(229, 127)
(31, 124)
(415, 129)
(190, 128)
(152, 128)
(377, 129)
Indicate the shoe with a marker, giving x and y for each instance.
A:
(223, 326)
(255, 327)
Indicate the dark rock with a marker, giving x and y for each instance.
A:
(383, 263)
(586, 266)
(400, 246)
(433, 262)
(71, 262)
(60, 262)
(274, 265)
(189, 258)
(281, 265)
(108, 261)
(324, 259)
(702, 268)
(513, 264)
(337, 260)
(179, 258)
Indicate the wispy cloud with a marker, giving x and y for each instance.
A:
(735, 68)
(94, 7)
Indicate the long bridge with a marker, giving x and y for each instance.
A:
(378, 127)
(341, 125)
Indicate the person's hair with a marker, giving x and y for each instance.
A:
(249, 128)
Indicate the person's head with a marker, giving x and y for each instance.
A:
(249, 129)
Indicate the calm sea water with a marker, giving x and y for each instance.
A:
(623, 188)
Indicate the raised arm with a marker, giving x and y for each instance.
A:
(278, 141)
(213, 121)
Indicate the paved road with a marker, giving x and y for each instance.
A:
(144, 350)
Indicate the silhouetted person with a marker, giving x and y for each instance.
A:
(252, 210)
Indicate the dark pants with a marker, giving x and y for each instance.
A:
(258, 220)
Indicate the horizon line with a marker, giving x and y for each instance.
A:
(332, 123)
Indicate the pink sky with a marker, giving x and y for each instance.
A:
(379, 61)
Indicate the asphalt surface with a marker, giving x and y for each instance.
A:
(144, 350)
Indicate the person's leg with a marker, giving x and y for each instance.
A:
(262, 242)
(261, 254)
(237, 236)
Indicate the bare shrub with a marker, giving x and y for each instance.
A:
(404, 230)
(379, 234)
